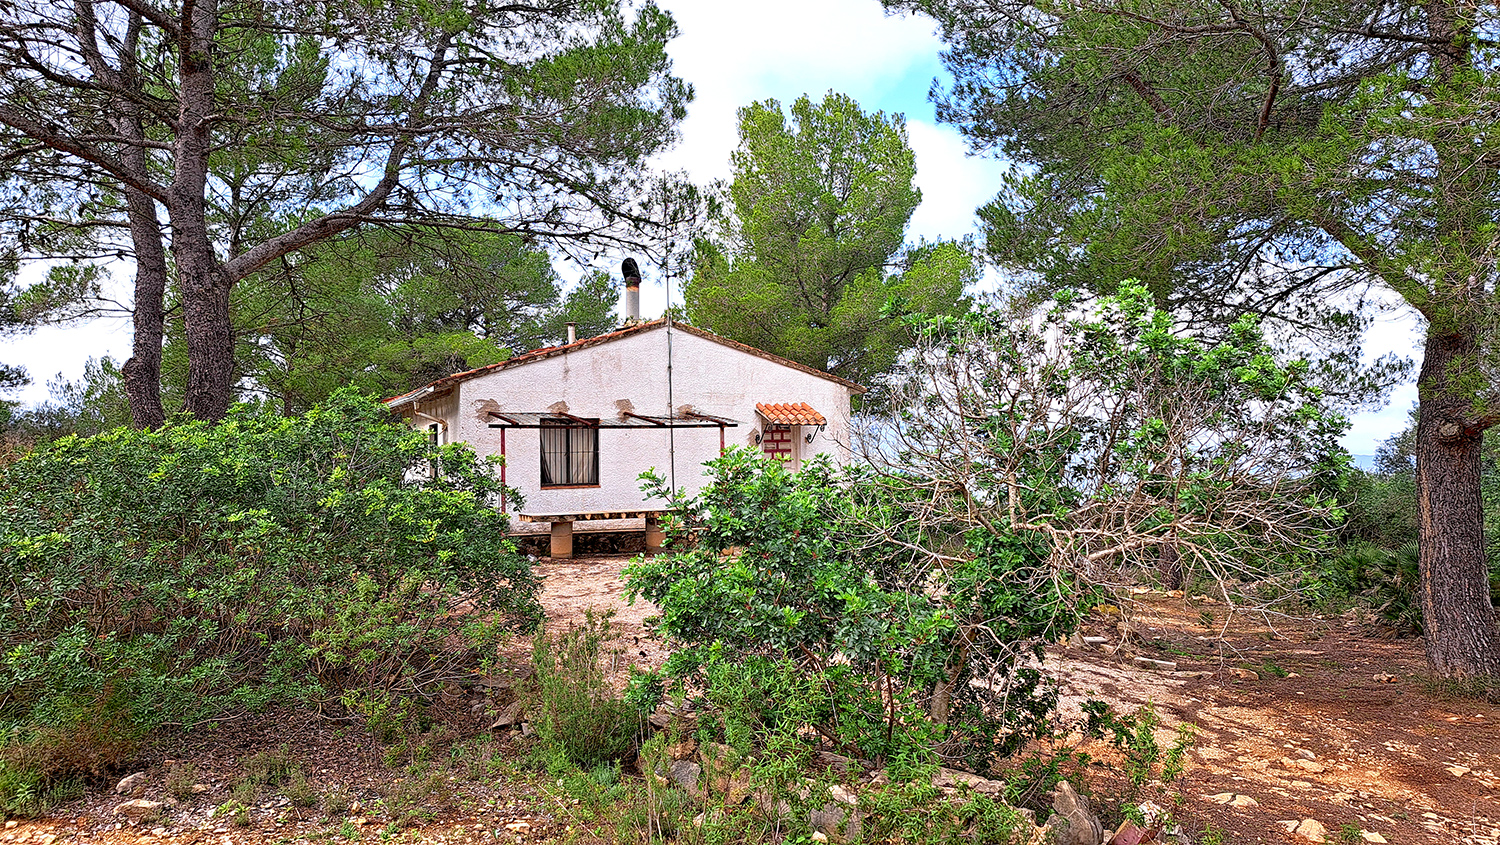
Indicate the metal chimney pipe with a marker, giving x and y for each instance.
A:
(632, 300)
(632, 275)
(572, 332)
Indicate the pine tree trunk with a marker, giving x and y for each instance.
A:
(142, 373)
(200, 274)
(1459, 622)
(210, 336)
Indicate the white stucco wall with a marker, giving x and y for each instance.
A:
(631, 373)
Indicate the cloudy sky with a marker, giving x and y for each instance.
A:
(736, 53)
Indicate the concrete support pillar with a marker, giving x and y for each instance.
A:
(562, 540)
(655, 536)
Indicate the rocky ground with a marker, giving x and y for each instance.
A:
(1307, 730)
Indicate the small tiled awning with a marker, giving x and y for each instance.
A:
(793, 413)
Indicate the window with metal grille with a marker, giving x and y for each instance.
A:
(570, 454)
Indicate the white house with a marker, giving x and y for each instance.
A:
(577, 424)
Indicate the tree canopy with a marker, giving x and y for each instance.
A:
(811, 251)
(228, 134)
(390, 310)
(1276, 158)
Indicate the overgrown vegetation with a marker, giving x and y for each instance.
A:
(778, 613)
(1032, 458)
(1377, 562)
(166, 577)
(576, 712)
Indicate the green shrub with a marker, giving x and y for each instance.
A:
(575, 710)
(783, 583)
(167, 577)
(1384, 578)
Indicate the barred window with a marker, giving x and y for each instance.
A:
(570, 454)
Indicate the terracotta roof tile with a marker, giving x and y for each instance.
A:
(792, 413)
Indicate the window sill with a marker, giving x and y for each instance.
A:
(569, 486)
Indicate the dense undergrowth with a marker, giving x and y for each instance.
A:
(163, 578)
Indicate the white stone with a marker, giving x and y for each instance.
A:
(131, 784)
(1311, 830)
(1372, 836)
(1162, 665)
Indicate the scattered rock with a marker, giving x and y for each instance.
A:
(1459, 771)
(1095, 640)
(1305, 765)
(1232, 799)
(838, 821)
(1162, 665)
(1128, 834)
(10, 824)
(139, 809)
(1311, 830)
(46, 839)
(838, 762)
(132, 785)
(1242, 674)
(682, 750)
(511, 715)
(1305, 754)
(686, 774)
(1372, 836)
(1384, 678)
(518, 826)
(953, 778)
(200, 788)
(723, 773)
(1074, 824)
(666, 716)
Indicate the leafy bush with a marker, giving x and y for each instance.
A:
(1385, 578)
(576, 712)
(784, 610)
(1028, 455)
(166, 577)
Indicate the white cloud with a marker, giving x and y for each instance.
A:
(737, 53)
(1399, 333)
(953, 183)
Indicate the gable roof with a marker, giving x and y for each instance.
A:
(524, 358)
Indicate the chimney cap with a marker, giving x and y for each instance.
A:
(631, 271)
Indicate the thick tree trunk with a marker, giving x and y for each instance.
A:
(210, 334)
(1459, 622)
(200, 274)
(142, 373)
